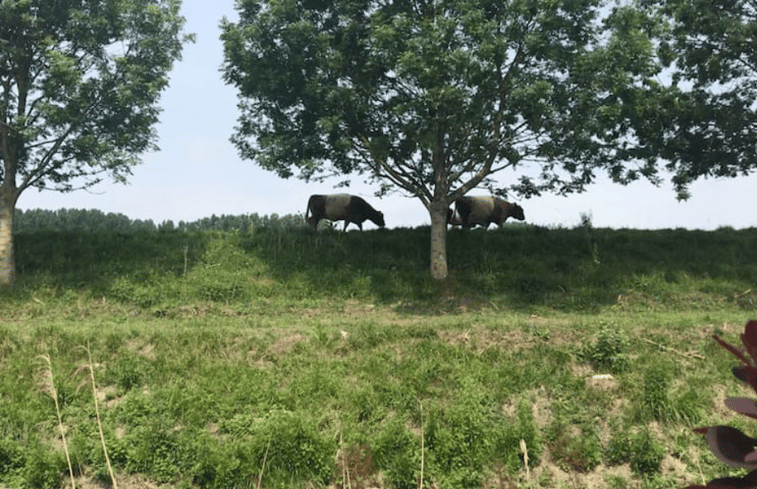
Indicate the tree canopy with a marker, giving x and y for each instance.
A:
(80, 82)
(435, 97)
(710, 51)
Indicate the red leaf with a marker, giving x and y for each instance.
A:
(751, 457)
(749, 481)
(742, 373)
(746, 374)
(743, 405)
(735, 351)
(749, 339)
(730, 445)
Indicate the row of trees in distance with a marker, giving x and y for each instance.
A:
(94, 220)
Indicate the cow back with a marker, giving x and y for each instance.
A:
(475, 209)
(337, 206)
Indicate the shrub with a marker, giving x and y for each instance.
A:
(640, 450)
(729, 444)
(609, 352)
(580, 452)
(522, 429)
(396, 452)
(295, 450)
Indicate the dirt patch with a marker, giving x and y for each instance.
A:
(123, 481)
(483, 339)
(286, 344)
(146, 351)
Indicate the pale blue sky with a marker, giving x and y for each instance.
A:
(198, 172)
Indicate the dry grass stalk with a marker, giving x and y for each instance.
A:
(420, 484)
(48, 386)
(342, 460)
(90, 367)
(265, 457)
(524, 451)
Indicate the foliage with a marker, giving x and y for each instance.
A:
(728, 444)
(80, 83)
(94, 220)
(436, 98)
(610, 351)
(387, 110)
(707, 122)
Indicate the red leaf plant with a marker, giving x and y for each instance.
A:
(728, 444)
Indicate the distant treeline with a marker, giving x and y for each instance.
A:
(95, 220)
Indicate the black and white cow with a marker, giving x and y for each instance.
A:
(341, 207)
(483, 210)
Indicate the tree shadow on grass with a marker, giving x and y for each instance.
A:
(94, 261)
(515, 267)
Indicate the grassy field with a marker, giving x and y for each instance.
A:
(275, 358)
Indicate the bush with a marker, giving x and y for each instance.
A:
(729, 444)
(609, 351)
(640, 450)
(397, 454)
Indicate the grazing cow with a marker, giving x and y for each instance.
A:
(453, 218)
(484, 210)
(341, 207)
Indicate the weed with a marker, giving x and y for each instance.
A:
(655, 402)
(640, 449)
(89, 367)
(48, 386)
(609, 352)
(396, 454)
(127, 371)
(617, 482)
(729, 444)
(576, 448)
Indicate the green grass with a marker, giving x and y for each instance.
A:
(334, 360)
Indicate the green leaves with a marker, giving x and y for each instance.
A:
(422, 95)
(708, 49)
(80, 86)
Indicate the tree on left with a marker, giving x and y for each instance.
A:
(80, 82)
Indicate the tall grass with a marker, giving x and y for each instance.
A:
(285, 358)
(516, 267)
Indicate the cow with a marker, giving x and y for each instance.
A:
(484, 210)
(341, 207)
(453, 219)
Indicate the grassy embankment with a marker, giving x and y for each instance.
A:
(287, 359)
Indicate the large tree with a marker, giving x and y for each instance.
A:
(436, 96)
(710, 51)
(79, 86)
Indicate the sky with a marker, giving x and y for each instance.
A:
(198, 173)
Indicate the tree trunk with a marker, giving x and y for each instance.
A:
(438, 212)
(7, 259)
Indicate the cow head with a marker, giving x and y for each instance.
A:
(517, 212)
